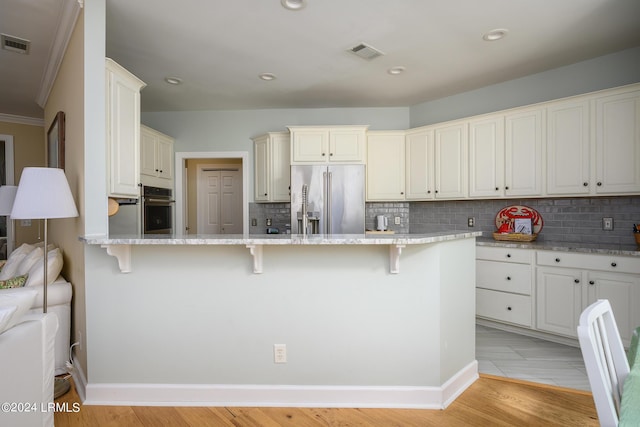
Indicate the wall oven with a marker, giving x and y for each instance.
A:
(157, 210)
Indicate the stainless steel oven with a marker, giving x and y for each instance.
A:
(157, 210)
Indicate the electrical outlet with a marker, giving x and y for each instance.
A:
(268, 222)
(279, 353)
(396, 220)
(254, 222)
(471, 221)
(25, 223)
(607, 224)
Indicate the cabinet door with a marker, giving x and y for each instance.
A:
(486, 157)
(280, 168)
(623, 292)
(419, 165)
(558, 300)
(523, 153)
(385, 166)
(451, 160)
(123, 134)
(148, 154)
(568, 148)
(618, 143)
(164, 158)
(346, 146)
(310, 146)
(261, 170)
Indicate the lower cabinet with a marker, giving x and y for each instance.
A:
(547, 291)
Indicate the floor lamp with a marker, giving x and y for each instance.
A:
(44, 193)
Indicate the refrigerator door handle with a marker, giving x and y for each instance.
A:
(329, 207)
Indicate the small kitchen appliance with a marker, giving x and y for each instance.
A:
(382, 222)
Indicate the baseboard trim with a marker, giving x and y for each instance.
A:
(282, 395)
(79, 379)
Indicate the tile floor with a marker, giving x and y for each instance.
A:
(517, 356)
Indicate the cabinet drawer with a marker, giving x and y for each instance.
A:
(612, 263)
(504, 307)
(503, 276)
(490, 253)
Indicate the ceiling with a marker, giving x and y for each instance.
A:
(219, 48)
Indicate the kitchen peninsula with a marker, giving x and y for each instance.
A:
(365, 320)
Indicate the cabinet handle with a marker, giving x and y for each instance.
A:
(591, 282)
(509, 308)
(557, 259)
(508, 255)
(402, 192)
(323, 154)
(599, 184)
(436, 191)
(506, 188)
(428, 191)
(586, 184)
(265, 194)
(576, 280)
(497, 188)
(613, 264)
(508, 277)
(330, 154)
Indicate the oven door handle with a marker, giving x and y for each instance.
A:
(163, 201)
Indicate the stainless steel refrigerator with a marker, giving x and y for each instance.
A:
(334, 199)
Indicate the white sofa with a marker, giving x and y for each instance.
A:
(27, 368)
(59, 292)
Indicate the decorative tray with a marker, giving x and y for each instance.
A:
(515, 237)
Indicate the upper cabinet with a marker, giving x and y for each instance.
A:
(123, 131)
(419, 163)
(325, 144)
(272, 171)
(617, 142)
(385, 165)
(568, 148)
(156, 158)
(486, 157)
(451, 161)
(523, 152)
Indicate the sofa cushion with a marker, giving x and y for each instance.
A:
(5, 316)
(54, 267)
(29, 260)
(21, 298)
(14, 282)
(13, 262)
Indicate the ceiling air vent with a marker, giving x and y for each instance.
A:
(365, 51)
(15, 44)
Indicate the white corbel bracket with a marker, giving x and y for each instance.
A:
(256, 251)
(394, 258)
(122, 253)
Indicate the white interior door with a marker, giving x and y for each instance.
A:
(219, 200)
(6, 178)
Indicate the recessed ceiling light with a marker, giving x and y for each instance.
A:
(267, 76)
(173, 80)
(294, 4)
(494, 35)
(396, 70)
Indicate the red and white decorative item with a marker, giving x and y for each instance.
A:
(506, 222)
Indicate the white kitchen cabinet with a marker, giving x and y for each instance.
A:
(486, 157)
(385, 165)
(523, 152)
(504, 285)
(569, 282)
(272, 171)
(617, 122)
(324, 144)
(451, 161)
(123, 130)
(568, 148)
(156, 158)
(419, 165)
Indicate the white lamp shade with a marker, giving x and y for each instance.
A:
(43, 193)
(7, 196)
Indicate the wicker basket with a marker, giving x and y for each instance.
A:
(515, 237)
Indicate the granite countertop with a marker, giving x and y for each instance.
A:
(279, 239)
(591, 248)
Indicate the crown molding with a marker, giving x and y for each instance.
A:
(32, 121)
(68, 17)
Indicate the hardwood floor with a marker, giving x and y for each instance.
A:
(490, 401)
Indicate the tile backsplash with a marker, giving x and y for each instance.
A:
(565, 219)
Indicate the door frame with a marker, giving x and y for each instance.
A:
(181, 183)
(10, 180)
